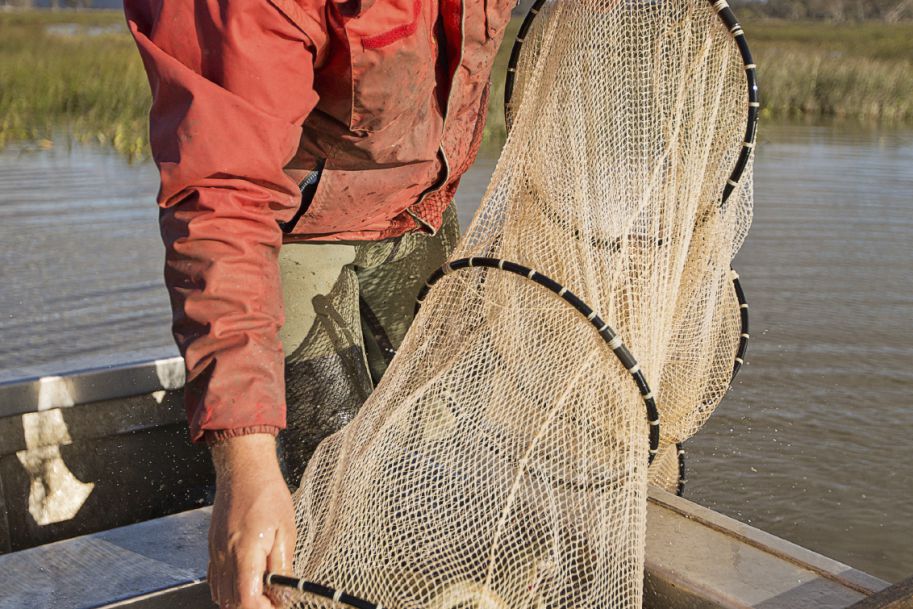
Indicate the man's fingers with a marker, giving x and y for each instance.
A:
(225, 593)
(220, 594)
(280, 557)
(249, 568)
(213, 590)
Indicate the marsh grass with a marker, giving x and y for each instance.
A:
(861, 72)
(79, 74)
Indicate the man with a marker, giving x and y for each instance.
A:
(309, 151)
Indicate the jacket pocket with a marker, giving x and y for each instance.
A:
(392, 63)
(308, 189)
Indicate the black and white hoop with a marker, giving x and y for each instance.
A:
(726, 15)
(612, 339)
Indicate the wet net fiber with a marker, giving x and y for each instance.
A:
(503, 459)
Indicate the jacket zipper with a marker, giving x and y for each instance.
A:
(446, 179)
(308, 189)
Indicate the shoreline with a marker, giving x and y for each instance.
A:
(78, 73)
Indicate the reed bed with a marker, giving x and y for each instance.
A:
(78, 75)
(861, 72)
(72, 75)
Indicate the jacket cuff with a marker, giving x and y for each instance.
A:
(215, 436)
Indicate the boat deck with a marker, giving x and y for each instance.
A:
(121, 432)
(696, 559)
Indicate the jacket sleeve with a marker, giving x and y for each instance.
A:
(232, 81)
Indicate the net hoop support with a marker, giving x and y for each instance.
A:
(680, 453)
(743, 324)
(740, 353)
(337, 596)
(729, 20)
(612, 339)
(510, 78)
(724, 12)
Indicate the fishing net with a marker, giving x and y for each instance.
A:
(588, 322)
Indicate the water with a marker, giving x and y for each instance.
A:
(80, 263)
(812, 444)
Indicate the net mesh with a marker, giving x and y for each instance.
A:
(503, 459)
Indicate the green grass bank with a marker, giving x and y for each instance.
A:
(69, 74)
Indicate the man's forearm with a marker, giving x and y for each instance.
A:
(223, 125)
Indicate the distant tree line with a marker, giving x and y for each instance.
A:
(53, 4)
(822, 10)
(829, 10)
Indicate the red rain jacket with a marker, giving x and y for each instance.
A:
(250, 97)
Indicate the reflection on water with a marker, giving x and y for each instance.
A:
(812, 444)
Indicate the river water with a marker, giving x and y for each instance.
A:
(813, 444)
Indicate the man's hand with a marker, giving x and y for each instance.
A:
(253, 522)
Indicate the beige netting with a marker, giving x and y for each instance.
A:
(502, 461)
(664, 471)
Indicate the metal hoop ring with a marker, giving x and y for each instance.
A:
(605, 331)
(729, 20)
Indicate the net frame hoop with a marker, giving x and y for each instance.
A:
(743, 324)
(308, 587)
(682, 480)
(514, 59)
(729, 20)
(740, 353)
(611, 338)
